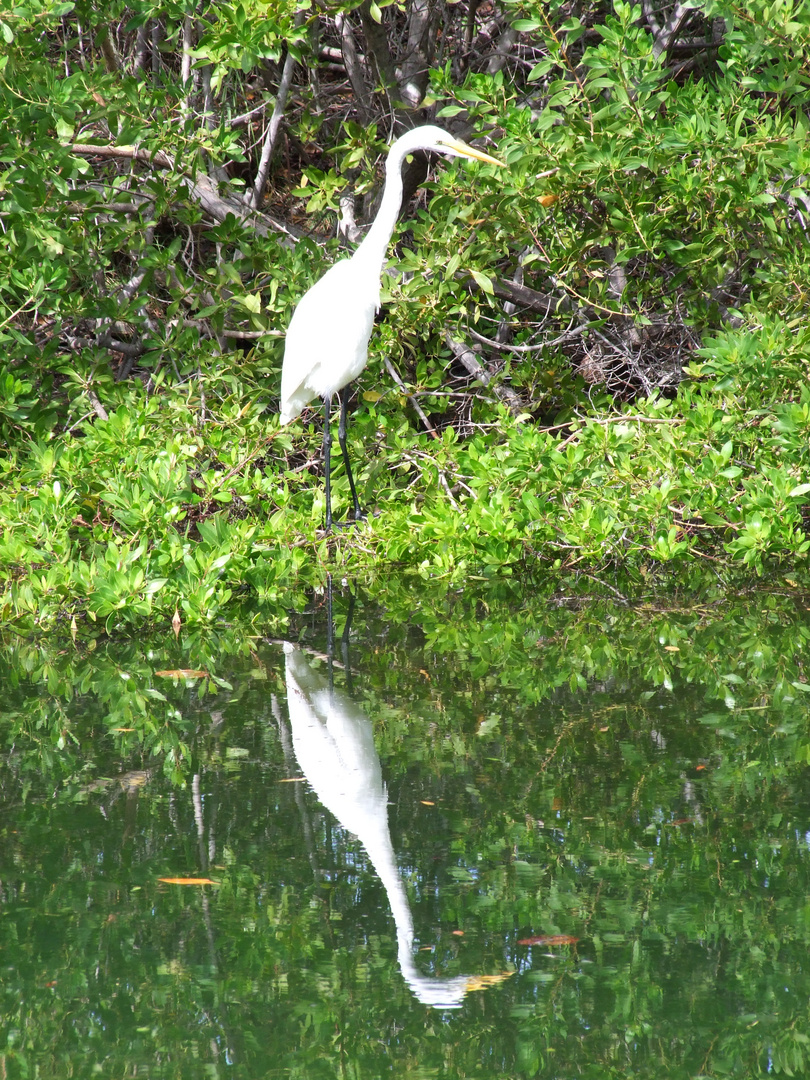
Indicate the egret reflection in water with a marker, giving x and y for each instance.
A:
(333, 742)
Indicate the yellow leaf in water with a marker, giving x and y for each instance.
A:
(188, 881)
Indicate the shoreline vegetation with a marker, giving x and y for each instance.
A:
(591, 365)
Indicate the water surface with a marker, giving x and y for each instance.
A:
(498, 839)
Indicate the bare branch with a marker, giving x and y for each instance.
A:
(202, 188)
(347, 224)
(417, 408)
(244, 118)
(471, 362)
(141, 45)
(416, 63)
(377, 42)
(650, 15)
(353, 68)
(254, 198)
(523, 296)
(506, 42)
(561, 339)
(666, 38)
(188, 45)
(112, 60)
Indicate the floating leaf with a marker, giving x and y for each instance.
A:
(188, 881)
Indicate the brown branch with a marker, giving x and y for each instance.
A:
(418, 58)
(506, 43)
(112, 61)
(544, 303)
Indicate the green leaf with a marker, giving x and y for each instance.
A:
(483, 281)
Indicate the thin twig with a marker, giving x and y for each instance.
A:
(569, 335)
(417, 408)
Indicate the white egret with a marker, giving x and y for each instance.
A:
(327, 340)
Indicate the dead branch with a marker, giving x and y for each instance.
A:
(418, 58)
(529, 299)
(354, 68)
(471, 362)
(255, 197)
(672, 27)
(202, 188)
(377, 48)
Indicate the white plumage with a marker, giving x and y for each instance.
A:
(327, 340)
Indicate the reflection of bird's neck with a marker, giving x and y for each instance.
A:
(375, 242)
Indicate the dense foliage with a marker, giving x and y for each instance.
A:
(594, 357)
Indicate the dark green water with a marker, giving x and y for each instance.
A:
(515, 839)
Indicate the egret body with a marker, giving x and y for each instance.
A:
(327, 340)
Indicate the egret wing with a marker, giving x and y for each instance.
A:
(327, 341)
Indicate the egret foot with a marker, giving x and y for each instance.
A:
(358, 518)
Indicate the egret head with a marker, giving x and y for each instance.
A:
(430, 137)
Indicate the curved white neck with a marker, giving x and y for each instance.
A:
(375, 243)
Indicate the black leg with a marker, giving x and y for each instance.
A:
(327, 462)
(344, 405)
(330, 636)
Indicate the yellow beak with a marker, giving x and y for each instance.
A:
(456, 146)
